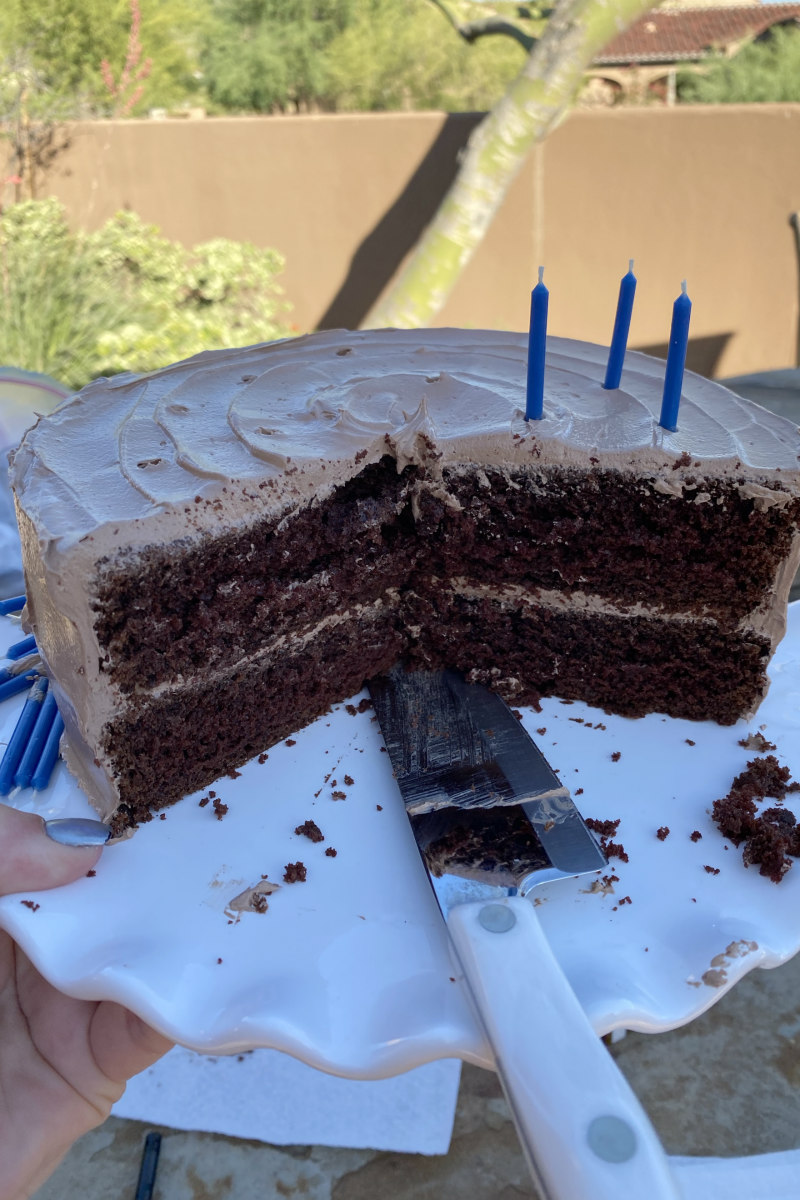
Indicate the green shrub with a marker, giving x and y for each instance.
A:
(125, 298)
(767, 70)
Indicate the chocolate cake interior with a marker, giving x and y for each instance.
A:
(537, 581)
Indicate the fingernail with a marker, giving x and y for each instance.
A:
(77, 831)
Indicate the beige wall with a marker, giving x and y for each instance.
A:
(698, 193)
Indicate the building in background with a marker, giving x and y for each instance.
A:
(642, 62)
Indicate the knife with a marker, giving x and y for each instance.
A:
(484, 803)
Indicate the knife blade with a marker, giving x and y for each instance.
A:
(470, 776)
(464, 762)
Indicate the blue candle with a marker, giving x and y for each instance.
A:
(676, 360)
(17, 684)
(537, 339)
(47, 759)
(32, 753)
(622, 325)
(19, 738)
(12, 605)
(20, 649)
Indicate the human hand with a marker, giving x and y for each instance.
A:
(63, 1062)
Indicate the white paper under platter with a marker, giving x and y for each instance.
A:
(350, 971)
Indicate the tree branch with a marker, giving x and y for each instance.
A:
(534, 104)
(471, 31)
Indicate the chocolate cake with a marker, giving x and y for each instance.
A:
(217, 551)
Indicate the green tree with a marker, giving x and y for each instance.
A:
(269, 55)
(54, 50)
(765, 70)
(398, 54)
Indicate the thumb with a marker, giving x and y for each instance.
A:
(31, 861)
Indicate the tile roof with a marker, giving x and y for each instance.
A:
(674, 34)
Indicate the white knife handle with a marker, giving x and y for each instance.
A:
(584, 1133)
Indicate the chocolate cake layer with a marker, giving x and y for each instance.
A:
(618, 533)
(167, 744)
(627, 664)
(165, 611)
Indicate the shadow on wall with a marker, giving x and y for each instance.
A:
(702, 356)
(383, 249)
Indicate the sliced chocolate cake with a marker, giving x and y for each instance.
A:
(218, 551)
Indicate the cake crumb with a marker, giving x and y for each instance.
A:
(203, 801)
(262, 758)
(662, 833)
(348, 781)
(695, 835)
(295, 873)
(757, 741)
(220, 809)
(290, 742)
(689, 742)
(338, 795)
(219, 960)
(711, 870)
(770, 840)
(311, 830)
(31, 904)
(615, 850)
(605, 831)
(162, 816)
(616, 756)
(578, 791)
(541, 732)
(91, 874)
(330, 852)
(234, 774)
(379, 807)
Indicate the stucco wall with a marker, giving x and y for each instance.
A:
(698, 193)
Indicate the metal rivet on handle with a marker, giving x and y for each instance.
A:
(611, 1139)
(497, 918)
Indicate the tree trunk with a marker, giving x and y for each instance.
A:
(534, 104)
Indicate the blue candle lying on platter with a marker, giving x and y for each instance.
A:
(676, 360)
(537, 341)
(47, 759)
(32, 753)
(622, 325)
(20, 649)
(17, 683)
(11, 605)
(22, 732)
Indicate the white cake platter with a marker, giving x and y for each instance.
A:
(350, 971)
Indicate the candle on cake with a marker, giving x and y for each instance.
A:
(622, 325)
(676, 360)
(537, 341)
